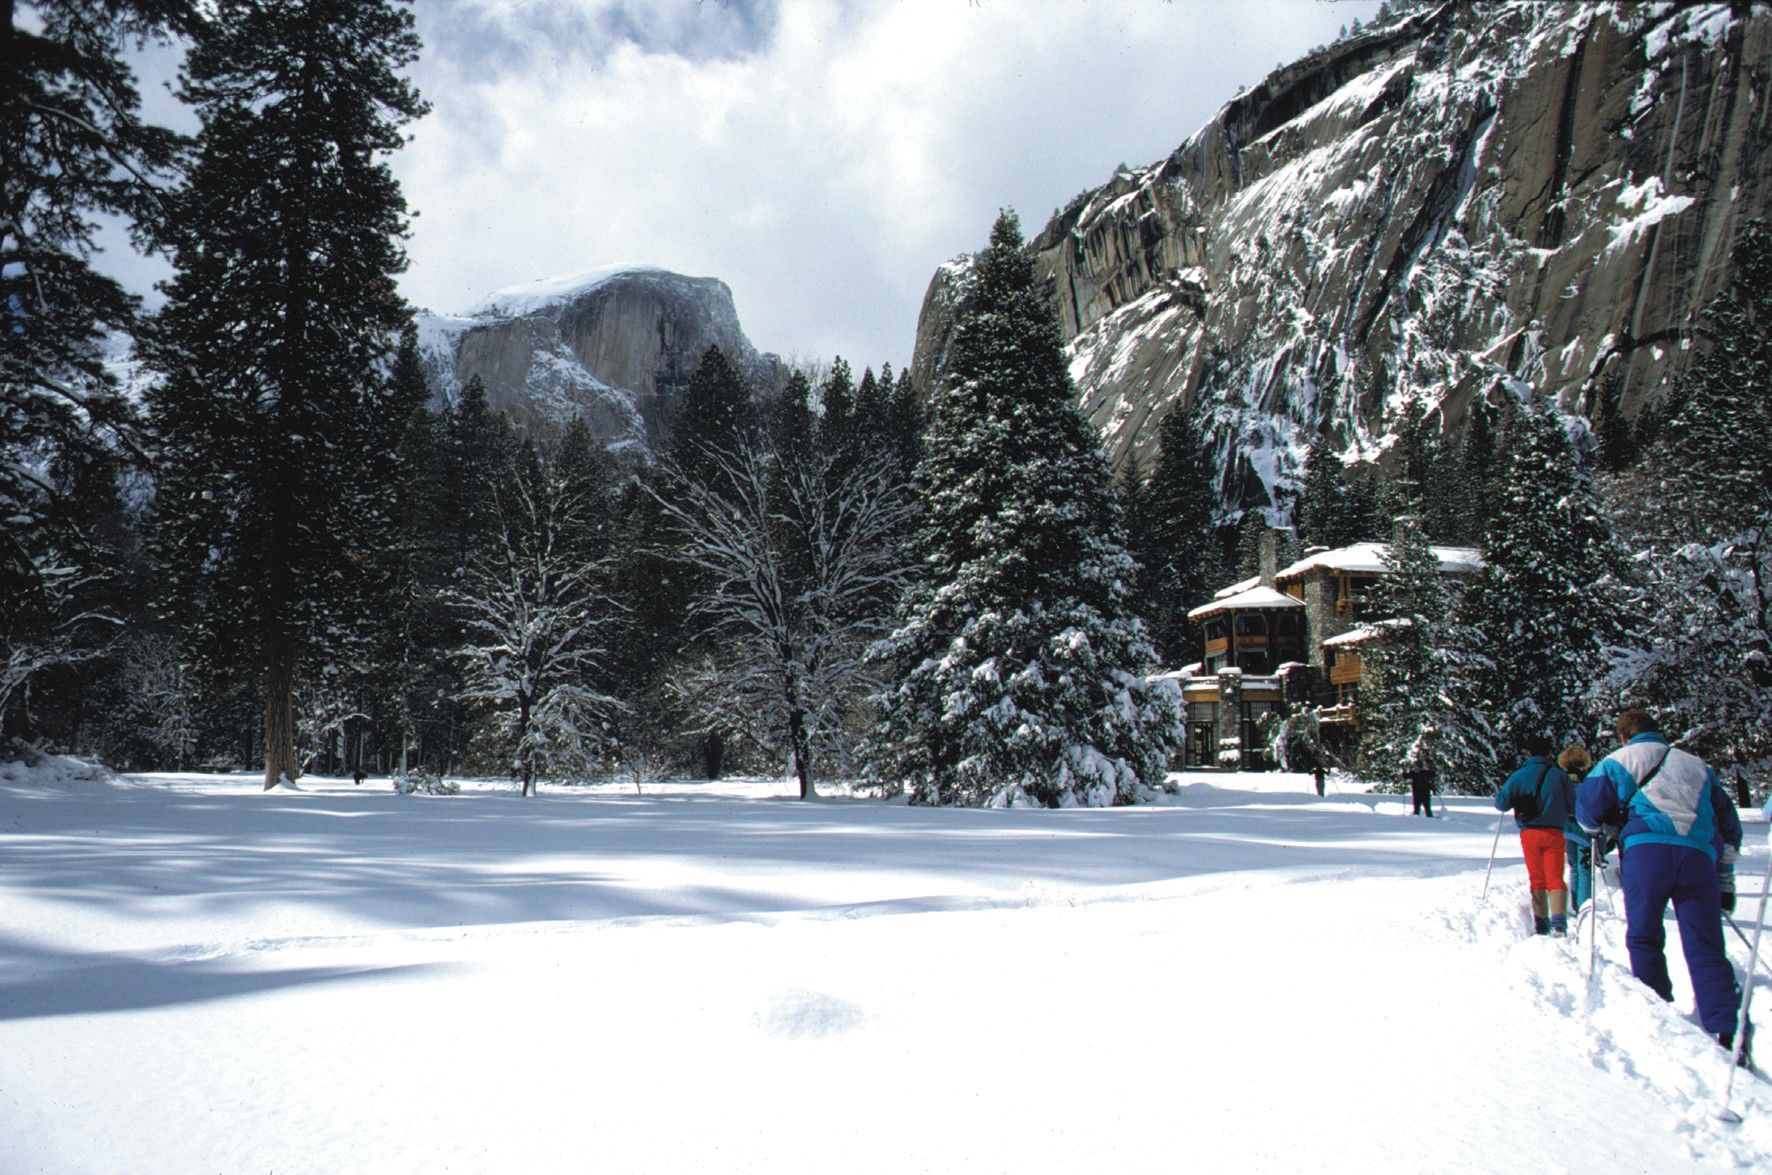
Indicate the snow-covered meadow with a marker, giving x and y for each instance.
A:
(197, 976)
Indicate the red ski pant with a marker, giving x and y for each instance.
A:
(1544, 857)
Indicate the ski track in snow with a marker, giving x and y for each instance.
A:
(196, 977)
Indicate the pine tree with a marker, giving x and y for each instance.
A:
(1547, 601)
(1180, 564)
(1421, 670)
(1708, 666)
(1323, 500)
(274, 418)
(837, 400)
(716, 415)
(1020, 667)
(1474, 489)
(72, 146)
(1423, 462)
(478, 448)
(418, 633)
(906, 421)
(793, 428)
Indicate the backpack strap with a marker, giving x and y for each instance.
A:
(1642, 783)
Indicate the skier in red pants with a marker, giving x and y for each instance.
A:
(1542, 799)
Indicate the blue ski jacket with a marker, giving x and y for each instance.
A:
(1553, 798)
(1683, 803)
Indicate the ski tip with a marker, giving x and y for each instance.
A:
(1730, 1116)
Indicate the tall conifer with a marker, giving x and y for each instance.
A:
(1180, 562)
(1021, 669)
(274, 416)
(72, 146)
(1547, 599)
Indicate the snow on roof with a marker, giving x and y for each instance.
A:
(1256, 597)
(1365, 633)
(1369, 557)
(529, 297)
(1237, 589)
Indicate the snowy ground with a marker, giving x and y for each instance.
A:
(198, 977)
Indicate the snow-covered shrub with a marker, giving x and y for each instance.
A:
(23, 764)
(425, 782)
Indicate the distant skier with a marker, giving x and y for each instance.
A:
(1677, 823)
(1421, 790)
(1576, 763)
(1541, 797)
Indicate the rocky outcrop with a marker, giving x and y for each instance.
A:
(615, 347)
(1473, 199)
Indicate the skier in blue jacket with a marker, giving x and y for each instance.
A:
(1540, 796)
(1677, 820)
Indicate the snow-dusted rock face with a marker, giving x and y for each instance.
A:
(613, 346)
(1475, 196)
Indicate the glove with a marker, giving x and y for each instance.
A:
(1726, 878)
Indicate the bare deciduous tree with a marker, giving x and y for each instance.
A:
(534, 607)
(803, 568)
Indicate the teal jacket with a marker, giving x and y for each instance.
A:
(1549, 791)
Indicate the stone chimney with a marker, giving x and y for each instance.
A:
(1268, 556)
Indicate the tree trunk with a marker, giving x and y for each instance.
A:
(279, 710)
(526, 763)
(802, 752)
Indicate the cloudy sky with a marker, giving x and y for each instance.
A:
(820, 156)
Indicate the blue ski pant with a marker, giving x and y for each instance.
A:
(1655, 874)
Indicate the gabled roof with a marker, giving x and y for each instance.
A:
(1369, 558)
(1255, 597)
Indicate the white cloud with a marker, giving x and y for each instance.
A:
(821, 157)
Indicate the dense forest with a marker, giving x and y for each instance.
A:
(269, 552)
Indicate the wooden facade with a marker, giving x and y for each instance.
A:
(1314, 615)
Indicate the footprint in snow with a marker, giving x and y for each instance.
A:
(796, 1014)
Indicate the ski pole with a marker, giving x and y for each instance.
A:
(1493, 845)
(1593, 906)
(1742, 935)
(1747, 994)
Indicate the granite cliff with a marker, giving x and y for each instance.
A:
(615, 346)
(1474, 198)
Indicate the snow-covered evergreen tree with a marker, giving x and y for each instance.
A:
(1706, 660)
(275, 418)
(1548, 601)
(1176, 542)
(418, 632)
(72, 146)
(717, 415)
(1422, 669)
(1020, 668)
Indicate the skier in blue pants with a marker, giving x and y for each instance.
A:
(1677, 820)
